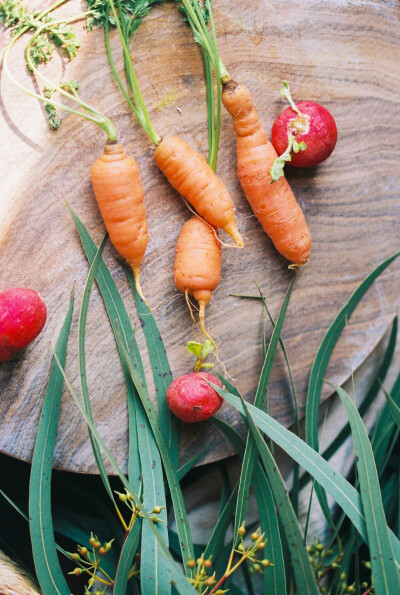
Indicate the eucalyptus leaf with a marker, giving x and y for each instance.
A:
(335, 484)
(47, 565)
(251, 454)
(384, 571)
(320, 365)
(303, 570)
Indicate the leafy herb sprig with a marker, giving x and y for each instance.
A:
(48, 35)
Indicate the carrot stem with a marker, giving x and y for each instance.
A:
(140, 112)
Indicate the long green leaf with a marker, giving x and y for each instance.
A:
(394, 408)
(161, 370)
(341, 490)
(367, 401)
(320, 365)
(303, 571)
(217, 538)
(153, 574)
(274, 578)
(384, 571)
(48, 569)
(177, 577)
(82, 364)
(128, 551)
(250, 455)
(182, 523)
(116, 311)
(182, 471)
(383, 429)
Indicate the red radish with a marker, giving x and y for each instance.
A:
(192, 399)
(23, 314)
(305, 134)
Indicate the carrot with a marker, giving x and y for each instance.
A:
(119, 194)
(197, 267)
(193, 178)
(274, 205)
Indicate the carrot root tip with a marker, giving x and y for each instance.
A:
(136, 274)
(202, 310)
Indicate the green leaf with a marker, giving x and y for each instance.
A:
(116, 311)
(149, 456)
(207, 348)
(335, 484)
(48, 569)
(385, 574)
(321, 361)
(393, 407)
(126, 557)
(82, 364)
(162, 375)
(182, 471)
(173, 482)
(177, 577)
(368, 399)
(274, 578)
(251, 454)
(194, 347)
(303, 571)
(216, 541)
(153, 574)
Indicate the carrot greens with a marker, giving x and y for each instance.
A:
(48, 34)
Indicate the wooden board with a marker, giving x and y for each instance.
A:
(344, 54)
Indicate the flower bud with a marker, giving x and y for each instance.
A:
(75, 557)
(208, 563)
(242, 530)
(191, 563)
(77, 571)
(261, 545)
(266, 563)
(257, 567)
(240, 547)
(102, 551)
(92, 541)
(91, 581)
(342, 576)
(96, 544)
(83, 551)
(209, 581)
(254, 536)
(157, 509)
(108, 545)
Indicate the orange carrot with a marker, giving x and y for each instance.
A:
(119, 194)
(274, 205)
(197, 267)
(191, 176)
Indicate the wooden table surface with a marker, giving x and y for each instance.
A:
(344, 54)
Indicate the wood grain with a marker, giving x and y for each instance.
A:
(344, 54)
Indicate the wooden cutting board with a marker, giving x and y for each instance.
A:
(344, 54)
